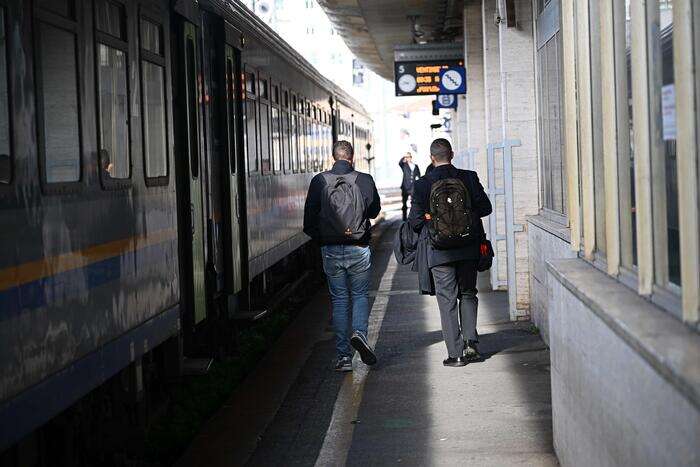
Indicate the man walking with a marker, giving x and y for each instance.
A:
(339, 205)
(410, 173)
(450, 203)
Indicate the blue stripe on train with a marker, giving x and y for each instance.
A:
(66, 285)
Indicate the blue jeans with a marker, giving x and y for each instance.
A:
(348, 270)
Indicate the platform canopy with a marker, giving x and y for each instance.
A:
(372, 28)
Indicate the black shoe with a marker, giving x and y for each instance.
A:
(359, 343)
(343, 364)
(471, 351)
(455, 361)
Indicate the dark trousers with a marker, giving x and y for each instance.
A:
(404, 203)
(455, 289)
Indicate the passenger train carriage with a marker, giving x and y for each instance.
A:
(154, 160)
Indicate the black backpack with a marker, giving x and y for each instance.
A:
(452, 218)
(342, 215)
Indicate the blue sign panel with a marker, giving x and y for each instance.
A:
(446, 101)
(453, 80)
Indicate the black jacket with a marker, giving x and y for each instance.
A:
(411, 248)
(421, 204)
(409, 177)
(312, 208)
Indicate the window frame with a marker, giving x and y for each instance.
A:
(276, 104)
(310, 167)
(231, 103)
(264, 99)
(543, 36)
(301, 134)
(248, 70)
(74, 27)
(162, 62)
(294, 132)
(10, 106)
(108, 40)
(315, 138)
(285, 101)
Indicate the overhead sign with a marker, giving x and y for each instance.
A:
(423, 77)
(446, 101)
(453, 80)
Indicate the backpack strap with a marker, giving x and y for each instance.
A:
(330, 177)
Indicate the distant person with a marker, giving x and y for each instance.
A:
(411, 173)
(107, 166)
(450, 203)
(339, 205)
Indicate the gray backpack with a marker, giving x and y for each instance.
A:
(342, 208)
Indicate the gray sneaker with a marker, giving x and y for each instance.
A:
(359, 342)
(343, 364)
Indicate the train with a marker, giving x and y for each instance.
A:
(154, 162)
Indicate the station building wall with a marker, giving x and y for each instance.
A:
(606, 185)
(614, 248)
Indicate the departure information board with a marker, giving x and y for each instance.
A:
(421, 78)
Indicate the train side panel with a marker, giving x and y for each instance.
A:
(89, 251)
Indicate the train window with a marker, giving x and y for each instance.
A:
(294, 130)
(192, 103)
(231, 108)
(308, 144)
(286, 143)
(5, 161)
(264, 136)
(151, 37)
(276, 140)
(113, 112)
(110, 18)
(263, 89)
(317, 146)
(251, 121)
(65, 8)
(250, 83)
(59, 125)
(301, 128)
(155, 145)
(275, 94)
(285, 99)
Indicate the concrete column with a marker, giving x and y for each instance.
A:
(519, 121)
(475, 102)
(492, 72)
(493, 122)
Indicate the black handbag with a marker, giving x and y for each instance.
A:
(485, 255)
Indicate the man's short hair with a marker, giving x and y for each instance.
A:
(343, 150)
(441, 150)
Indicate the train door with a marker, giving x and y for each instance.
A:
(189, 166)
(236, 219)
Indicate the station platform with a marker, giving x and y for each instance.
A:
(408, 409)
